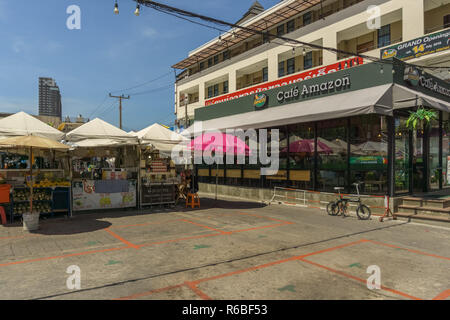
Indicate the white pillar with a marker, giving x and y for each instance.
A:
(329, 40)
(413, 19)
(272, 64)
(232, 81)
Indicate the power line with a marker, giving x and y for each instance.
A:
(145, 83)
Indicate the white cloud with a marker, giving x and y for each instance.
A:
(18, 45)
(13, 105)
(149, 32)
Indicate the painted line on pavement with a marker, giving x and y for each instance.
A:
(359, 279)
(128, 243)
(62, 256)
(443, 295)
(406, 249)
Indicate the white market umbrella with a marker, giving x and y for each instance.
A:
(23, 124)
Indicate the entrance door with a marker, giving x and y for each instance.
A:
(419, 150)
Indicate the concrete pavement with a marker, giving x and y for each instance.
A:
(225, 250)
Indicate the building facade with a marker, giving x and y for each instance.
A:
(238, 62)
(49, 98)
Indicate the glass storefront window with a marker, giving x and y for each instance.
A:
(369, 153)
(301, 155)
(433, 156)
(279, 179)
(331, 159)
(446, 150)
(402, 159)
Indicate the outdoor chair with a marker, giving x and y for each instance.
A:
(192, 200)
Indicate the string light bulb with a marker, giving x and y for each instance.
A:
(381, 70)
(138, 10)
(233, 36)
(116, 8)
(220, 40)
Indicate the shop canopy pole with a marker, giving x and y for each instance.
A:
(31, 177)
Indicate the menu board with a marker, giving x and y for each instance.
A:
(85, 197)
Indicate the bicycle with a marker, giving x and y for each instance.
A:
(340, 206)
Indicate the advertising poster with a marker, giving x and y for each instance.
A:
(85, 197)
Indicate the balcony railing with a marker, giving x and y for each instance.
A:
(434, 29)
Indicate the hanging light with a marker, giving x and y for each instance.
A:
(381, 70)
(293, 51)
(138, 10)
(233, 36)
(304, 52)
(116, 8)
(220, 40)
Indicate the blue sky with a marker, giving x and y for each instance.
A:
(109, 53)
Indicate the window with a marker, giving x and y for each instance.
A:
(202, 66)
(290, 26)
(210, 62)
(265, 73)
(307, 18)
(307, 61)
(266, 37)
(447, 21)
(226, 55)
(281, 69)
(216, 59)
(216, 90)
(384, 36)
(210, 92)
(280, 30)
(364, 47)
(291, 66)
(225, 87)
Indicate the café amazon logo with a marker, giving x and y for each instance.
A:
(412, 76)
(389, 53)
(260, 100)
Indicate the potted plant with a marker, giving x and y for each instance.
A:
(422, 118)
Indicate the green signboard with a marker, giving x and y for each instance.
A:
(368, 160)
(419, 47)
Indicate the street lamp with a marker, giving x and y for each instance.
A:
(138, 10)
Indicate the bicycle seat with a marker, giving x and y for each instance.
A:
(358, 183)
(339, 188)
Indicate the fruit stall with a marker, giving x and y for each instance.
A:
(51, 192)
(104, 167)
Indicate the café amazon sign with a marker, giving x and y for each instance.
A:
(429, 44)
(353, 79)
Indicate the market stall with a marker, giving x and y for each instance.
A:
(50, 178)
(159, 176)
(104, 167)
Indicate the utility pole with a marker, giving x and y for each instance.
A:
(120, 105)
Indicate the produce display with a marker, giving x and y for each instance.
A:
(38, 206)
(51, 183)
(41, 200)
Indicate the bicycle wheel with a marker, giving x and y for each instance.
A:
(331, 208)
(363, 212)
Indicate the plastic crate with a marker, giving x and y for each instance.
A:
(5, 193)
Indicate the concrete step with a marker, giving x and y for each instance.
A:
(423, 217)
(422, 210)
(424, 202)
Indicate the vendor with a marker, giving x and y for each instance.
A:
(192, 182)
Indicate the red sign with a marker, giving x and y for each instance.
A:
(288, 80)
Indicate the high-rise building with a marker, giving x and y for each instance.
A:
(49, 98)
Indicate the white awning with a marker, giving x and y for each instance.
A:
(407, 98)
(365, 101)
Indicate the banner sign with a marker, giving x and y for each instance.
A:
(85, 197)
(368, 160)
(288, 80)
(419, 47)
